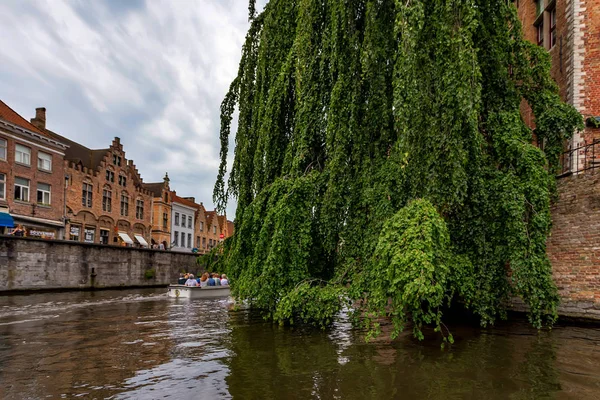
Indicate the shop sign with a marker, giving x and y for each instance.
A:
(42, 233)
(89, 235)
(74, 233)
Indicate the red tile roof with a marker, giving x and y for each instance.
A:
(185, 202)
(11, 116)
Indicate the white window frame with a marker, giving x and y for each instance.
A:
(182, 239)
(189, 243)
(183, 220)
(176, 239)
(41, 160)
(3, 149)
(44, 193)
(190, 225)
(176, 219)
(2, 186)
(22, 154)
(21, 187)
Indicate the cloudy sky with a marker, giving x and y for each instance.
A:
(151, 72)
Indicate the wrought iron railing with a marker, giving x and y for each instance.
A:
(579, 159)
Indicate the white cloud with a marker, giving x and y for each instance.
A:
(153, 73)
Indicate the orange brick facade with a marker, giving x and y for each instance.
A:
(41, 215)
(119, 203)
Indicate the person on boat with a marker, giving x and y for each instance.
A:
(224, 280)
(191, 281)
(204, 280)
(217, 279)
(211, 281)
(181, 280)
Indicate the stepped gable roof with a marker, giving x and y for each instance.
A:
(12, 117)
(209, 217)
(79, 154)
(154, 188)
(181, 200)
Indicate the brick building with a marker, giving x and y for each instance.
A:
(161, 212)
(32, 177)
(570, 31)
(106, 200)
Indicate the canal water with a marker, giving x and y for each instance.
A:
(142, 345)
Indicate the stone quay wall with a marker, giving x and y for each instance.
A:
(574, 245)
(37, 264)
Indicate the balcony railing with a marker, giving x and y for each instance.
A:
(579, 159)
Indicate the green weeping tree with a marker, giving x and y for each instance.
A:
(381, 159)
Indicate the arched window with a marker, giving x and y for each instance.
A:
(124, 204)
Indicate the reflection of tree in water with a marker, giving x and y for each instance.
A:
(271, 362)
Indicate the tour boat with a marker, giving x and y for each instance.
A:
(196, 292)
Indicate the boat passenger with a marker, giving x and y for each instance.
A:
(217, 279)
(224, 280)
(181, 280)
(191, 281)
(211, 281)
(204, 280)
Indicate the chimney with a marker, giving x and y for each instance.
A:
(40, 118)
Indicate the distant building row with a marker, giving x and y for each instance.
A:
(58, 189)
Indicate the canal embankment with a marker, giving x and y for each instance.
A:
(28, 264)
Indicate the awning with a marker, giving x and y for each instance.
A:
(141, 240)
(125, 238)
(6, 220)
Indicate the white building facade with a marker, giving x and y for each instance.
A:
(182, 227)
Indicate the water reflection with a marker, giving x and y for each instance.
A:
(142, 345)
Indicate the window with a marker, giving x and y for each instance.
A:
(122, 180)
(166, 197)
(3, 149)
(44, 161)
(176, 219)
(2, 186)
(43, 193)
(110, 176)
(214, 229)
(190, 222)
(89, 234)
(22, 154)
(165, 220)
(201, 226)
(189, 241)
(203, 242)
(107, 200)
(182, 239)
(539, 7)
(552, 27)
(197, 242)
(183, 220)
(176, 239)
(540, 34)
(21, 189)
(116, 160)
(139, 209)
(86, 195)
(74, 233)
(104, 236)
(124, 205)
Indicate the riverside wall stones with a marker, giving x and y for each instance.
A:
(574, 245)
(35, 264)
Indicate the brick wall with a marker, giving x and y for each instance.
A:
(34, 264)
(574, 245)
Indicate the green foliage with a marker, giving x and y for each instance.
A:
(350, 111)
(150, 274)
